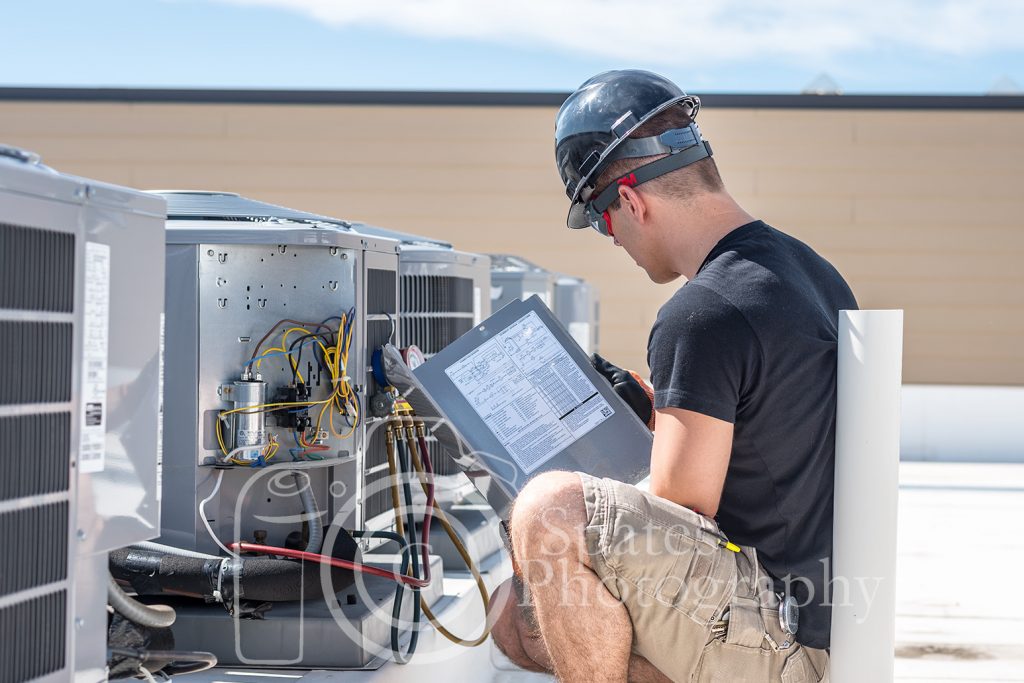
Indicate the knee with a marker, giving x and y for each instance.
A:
(501, 612)
(507, 632)
(551, 504)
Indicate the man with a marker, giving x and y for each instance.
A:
(720, 571)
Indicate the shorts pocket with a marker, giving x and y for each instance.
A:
(595, 541)
(725, 663)
(798, 669)
(674, 569)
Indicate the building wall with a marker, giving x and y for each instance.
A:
(920, 210)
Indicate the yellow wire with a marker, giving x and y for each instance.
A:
(284, 337)
(320, 417)
(283, 348)
(330, 421)
(336, 359)
(220, 438)
(284, 343)
(269, 452)
(273, 349)
(263, 406)
(342, 396)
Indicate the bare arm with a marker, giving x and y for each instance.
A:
(690, 458)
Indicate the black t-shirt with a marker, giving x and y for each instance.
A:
(751, 339)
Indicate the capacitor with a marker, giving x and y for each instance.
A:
(248, 429)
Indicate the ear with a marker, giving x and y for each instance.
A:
(633, 202)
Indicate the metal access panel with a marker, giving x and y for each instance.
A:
(520, 397)
(232, 274)
(81, 297)
(576, 307)
(513, 278)
(235, 268)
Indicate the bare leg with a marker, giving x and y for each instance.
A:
(642, 671)
(516, 635)
(586, 631)
(514, 630)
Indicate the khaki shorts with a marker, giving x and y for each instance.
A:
(700, 612)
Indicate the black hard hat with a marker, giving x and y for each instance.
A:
(593, 125)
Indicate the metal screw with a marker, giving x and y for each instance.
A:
(79, 622)
(81, 534)
(344, 257)
(209, 252)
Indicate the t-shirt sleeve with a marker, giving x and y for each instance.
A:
(702, 354)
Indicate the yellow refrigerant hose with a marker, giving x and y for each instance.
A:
(405, 432)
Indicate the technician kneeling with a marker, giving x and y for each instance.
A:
(687, 582)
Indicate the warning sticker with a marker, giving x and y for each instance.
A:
(95, 331)
(529, 392)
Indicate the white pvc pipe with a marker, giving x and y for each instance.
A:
(866, 484)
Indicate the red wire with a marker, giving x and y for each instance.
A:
(326, 559)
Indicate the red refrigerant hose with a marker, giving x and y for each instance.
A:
(355, 566)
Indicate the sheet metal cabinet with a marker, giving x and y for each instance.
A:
(81, 303)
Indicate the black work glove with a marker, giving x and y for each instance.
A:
(637, 394)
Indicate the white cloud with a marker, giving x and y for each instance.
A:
(680, 32)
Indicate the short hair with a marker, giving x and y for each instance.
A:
(697, 178)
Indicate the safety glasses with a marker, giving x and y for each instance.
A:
(599, 220)
(593, 210)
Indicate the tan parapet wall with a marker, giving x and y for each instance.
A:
(921, 210)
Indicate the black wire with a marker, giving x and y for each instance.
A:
(396, 609)
(298, 359)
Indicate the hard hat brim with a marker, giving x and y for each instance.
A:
(577, 218)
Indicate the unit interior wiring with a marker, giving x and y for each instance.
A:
(331, 342)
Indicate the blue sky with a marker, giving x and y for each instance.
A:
(912, 46)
